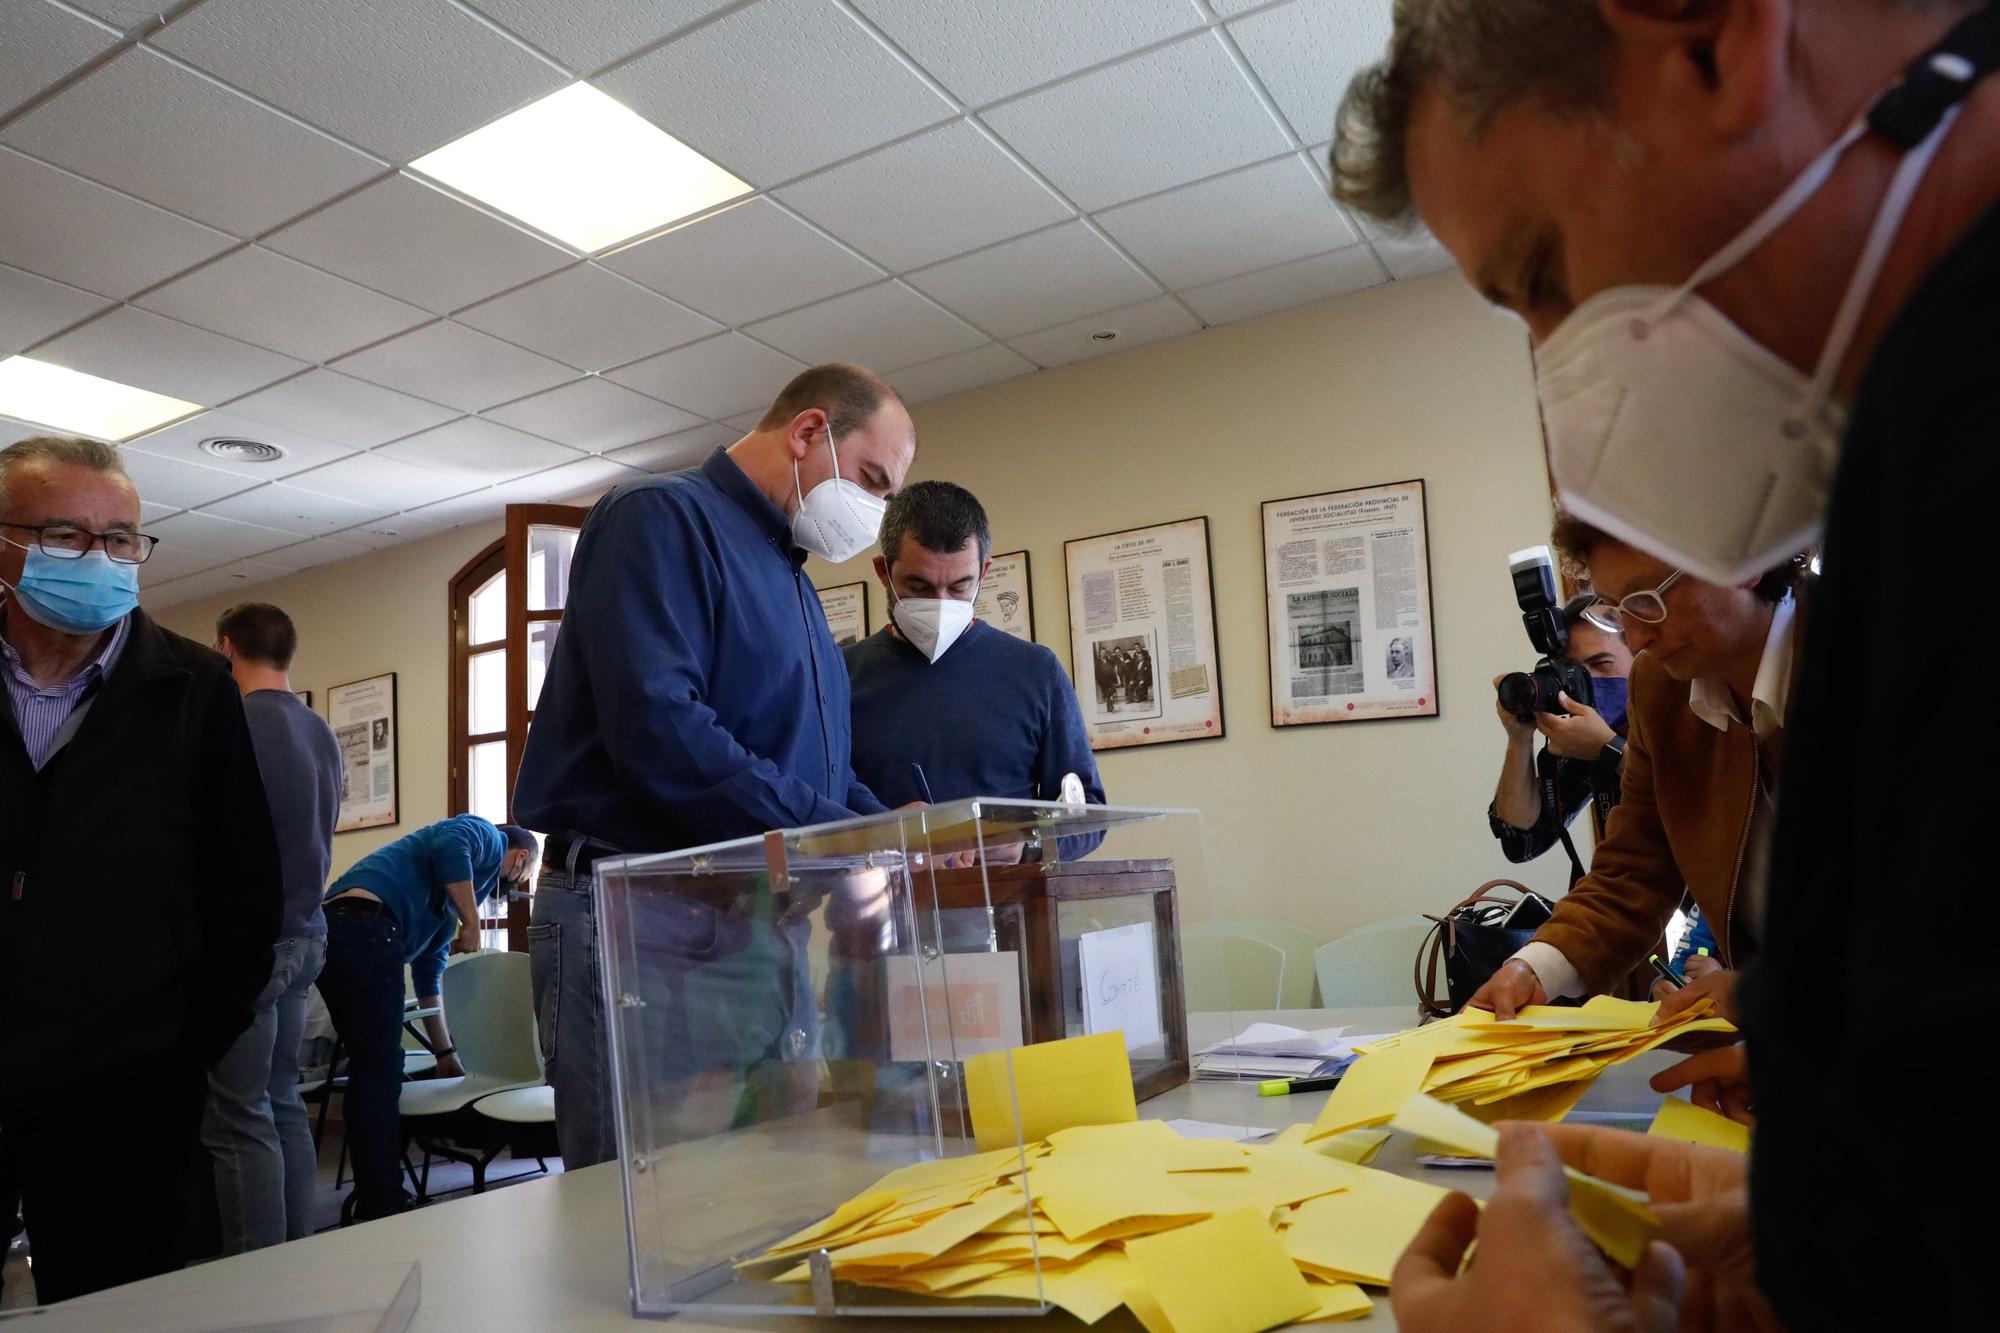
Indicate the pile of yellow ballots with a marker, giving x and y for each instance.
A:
(1536, 1066)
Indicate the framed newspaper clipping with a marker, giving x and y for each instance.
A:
(363, 717)
(846, 607)
(1005, 600)
(1347, 585)
(1142, 635)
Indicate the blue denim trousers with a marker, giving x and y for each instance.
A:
(362, 985)
(254, 1125)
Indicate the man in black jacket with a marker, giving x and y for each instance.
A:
(139, 875)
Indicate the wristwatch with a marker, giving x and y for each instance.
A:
(1610, 758)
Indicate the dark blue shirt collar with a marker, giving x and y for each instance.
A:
(733, 482)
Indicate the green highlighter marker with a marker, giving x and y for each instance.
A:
(1279, 1087)
(1666, 971)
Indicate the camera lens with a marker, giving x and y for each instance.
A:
(1518, 694)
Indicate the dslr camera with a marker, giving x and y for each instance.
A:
(1525, 693)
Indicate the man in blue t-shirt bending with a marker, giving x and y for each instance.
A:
(413, 902)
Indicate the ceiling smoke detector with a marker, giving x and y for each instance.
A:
(1104, 336)
(242, 451)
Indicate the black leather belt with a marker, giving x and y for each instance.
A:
(557, 853)
(355, 905)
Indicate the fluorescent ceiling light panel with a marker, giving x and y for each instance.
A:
(582, 168)
(71, 401)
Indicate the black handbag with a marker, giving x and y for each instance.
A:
(1473, 944)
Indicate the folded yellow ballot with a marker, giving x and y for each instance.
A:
(1683, 1120)
(1054, 1085)
(1228, 1274)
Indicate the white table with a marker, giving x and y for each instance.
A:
(551, 1254)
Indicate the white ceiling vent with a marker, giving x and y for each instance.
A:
(242, 451)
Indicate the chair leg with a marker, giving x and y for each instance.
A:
(340, 1163)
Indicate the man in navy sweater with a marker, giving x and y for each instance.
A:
(983, 713)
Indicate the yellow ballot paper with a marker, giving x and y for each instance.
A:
(1375, 1085)
(1337, 1300)
(1358, 1234)
(1226, 1275)
(1617, 1221)
(1055, 1084)
(1683, 1120)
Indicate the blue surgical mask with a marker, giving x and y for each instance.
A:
(1609, 695)
(83, 596)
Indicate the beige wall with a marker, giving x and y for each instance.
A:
(1332, 826)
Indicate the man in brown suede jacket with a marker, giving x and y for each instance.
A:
(1700, 777)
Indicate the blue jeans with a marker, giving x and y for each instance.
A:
(729, 1032)
(254, 1125)
(362, 985)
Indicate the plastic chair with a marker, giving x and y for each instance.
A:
(522, 1120)
(1371, 967)
(490, 1005)
(1298, 945)
(1227, 972)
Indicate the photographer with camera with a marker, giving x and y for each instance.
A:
(1538, 795)
(1702, 759)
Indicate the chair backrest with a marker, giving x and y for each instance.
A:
(1297, 943)
(489, 1004)
(1231, 972)
(1371, 967)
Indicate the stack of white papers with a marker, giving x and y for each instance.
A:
(1272, 1050)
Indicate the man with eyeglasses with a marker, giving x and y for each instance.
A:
(140, 884)
(1702, 760)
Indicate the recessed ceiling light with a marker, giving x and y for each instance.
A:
(69, 400)
(238, 450)
(582, 168)
(1104, 336)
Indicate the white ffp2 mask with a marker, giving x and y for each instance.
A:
(838, 520)
(931, 624)
(1675, 431)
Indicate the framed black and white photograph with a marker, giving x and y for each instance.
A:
(1347, 582)
(846, 607)
(1005, 600)
(1142, 635)
(363, 716)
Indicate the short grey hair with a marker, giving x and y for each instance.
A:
(1484, 57)
(71, 450)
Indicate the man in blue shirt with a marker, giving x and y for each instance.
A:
(983, 713)
(410, 903)
(696, 695)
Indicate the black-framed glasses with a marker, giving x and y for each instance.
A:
(1648, 607)
(65, 541)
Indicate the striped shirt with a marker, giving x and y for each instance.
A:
(40, 711)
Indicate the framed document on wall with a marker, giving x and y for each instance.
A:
(1142, 635)
(846, 608)
(1347, 586)
(1005, 600)
(363, 716)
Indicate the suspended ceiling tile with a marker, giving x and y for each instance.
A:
(1135, 325)
(960, 371)
(169, 481)
(744, 263)
(1284, 286)
(1158, 120)
(332, 406)
(33, 308)
(589, 318)
(822, 86)
(372, 479)
(1248, 219)
(420, 245)
(428, 520)
(310, 554)
(1409, 252)
(262, 297)
(594, 415)
(942, 193)
(221, 537)
(587, 35)
(62, 226)
(884, 327)
(398, 80)
(183, 442)
(460, 367)
(148, 511)
(478, 452)
(123, 15)
(40, 44)
(1306, 53)
(289, 509)
(156, 129)
(997, 48)
(148, 351)
(671, 453)
(567, 482)
(1030, 282)
(716, 378)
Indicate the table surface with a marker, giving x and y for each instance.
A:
(552, 1253)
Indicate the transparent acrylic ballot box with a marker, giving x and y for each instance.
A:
(380, 1298)
(790, 1016)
